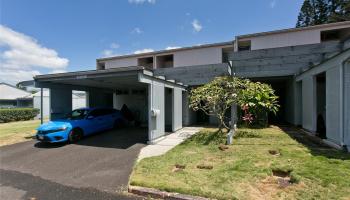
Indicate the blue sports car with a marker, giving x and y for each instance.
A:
(79, 123)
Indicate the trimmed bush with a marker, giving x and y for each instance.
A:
(17, 114)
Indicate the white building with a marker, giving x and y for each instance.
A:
(11, 97)
(308, 67)
(78, 101)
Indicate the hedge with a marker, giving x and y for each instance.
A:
(17, 114)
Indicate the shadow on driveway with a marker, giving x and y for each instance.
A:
(121, 138)
(102, 162)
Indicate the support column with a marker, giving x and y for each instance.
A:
(346, 113)
(309, 103)
(156, 117)
(297, 103)
(334, 113)
(177, 109)
(60, 102)
(115, 100)
(41, 106)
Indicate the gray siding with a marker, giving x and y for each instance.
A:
(177, 109)
(156, 101)
(333, 111)
(284, 61)
(308, 103)
(61, 102)
(347, 104)
(194, 75)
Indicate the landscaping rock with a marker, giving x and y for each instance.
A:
(274, 152)
(204, 166)
(223, 147)
(284, 182)
(180, 166)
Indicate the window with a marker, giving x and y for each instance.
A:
(165, 61)
(101, 66)
(244, 45)
(77, 114)
(338, 34)
(146, 62)
(120, 92)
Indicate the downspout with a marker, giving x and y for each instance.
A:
(342, 104)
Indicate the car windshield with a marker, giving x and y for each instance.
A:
(77, 114)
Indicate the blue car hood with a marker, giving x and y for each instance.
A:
(52, 125)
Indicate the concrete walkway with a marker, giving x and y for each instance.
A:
(168, 142)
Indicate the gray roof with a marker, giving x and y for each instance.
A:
(10, 92)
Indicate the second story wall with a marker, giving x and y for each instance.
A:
(294, 37)
(191, 56)
(123, 62)
(285, 39)
(202, 56)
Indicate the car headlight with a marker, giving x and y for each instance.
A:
(54, 130)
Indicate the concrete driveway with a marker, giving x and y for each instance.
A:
(98, 167)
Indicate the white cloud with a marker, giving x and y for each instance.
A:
(14, 76)
(22, 55)
(58, 71)
(142, 1)
(137, 30)
(143, 51)
(108, 53)
(114, 45)
(273, 3)
(196, 25)
(170, 47)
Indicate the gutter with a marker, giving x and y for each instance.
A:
(342, 102)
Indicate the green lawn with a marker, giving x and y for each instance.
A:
(244, 170)
(14, 132)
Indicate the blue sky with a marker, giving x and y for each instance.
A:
(44, 36)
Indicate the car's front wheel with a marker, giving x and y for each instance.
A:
(75, 135)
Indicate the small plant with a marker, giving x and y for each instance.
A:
(247, 117)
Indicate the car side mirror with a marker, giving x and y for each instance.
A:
(90, 117)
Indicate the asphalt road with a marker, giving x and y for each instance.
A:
(98, 167)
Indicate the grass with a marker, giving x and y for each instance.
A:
(245, 169)
(14, 132)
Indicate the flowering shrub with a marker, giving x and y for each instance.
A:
(216, 97)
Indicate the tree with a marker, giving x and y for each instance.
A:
(339, 10)
(216, 97)
(314, 12)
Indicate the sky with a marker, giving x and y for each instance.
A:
(51, 36)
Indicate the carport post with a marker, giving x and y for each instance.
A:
(41, 106)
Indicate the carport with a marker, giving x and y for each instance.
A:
(157, 100)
